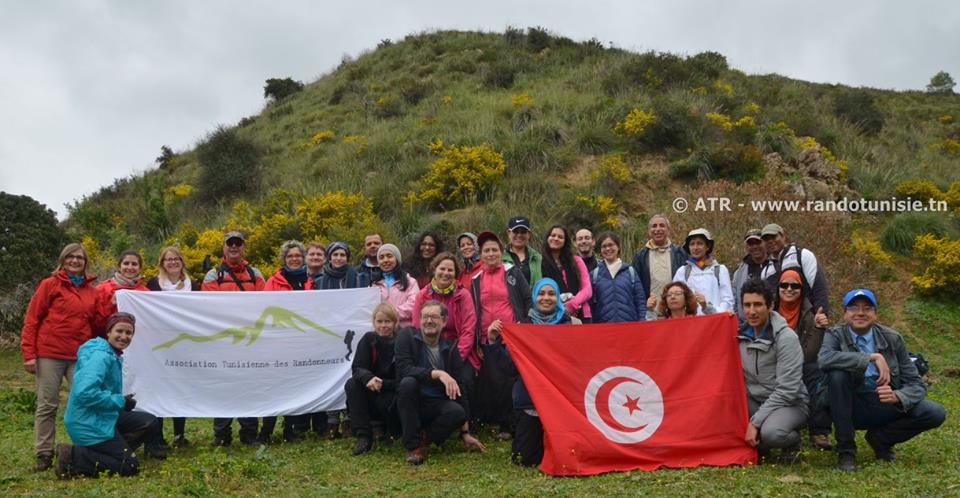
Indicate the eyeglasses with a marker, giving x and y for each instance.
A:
(788, 285)
(675, 294)
(74, 256)
(866, 308)
(171, 260)
(430, 317)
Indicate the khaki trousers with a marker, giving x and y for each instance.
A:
(50, 373)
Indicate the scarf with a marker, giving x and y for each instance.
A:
(553, 316)
(445, 291)
(180, 285)
(701, 263)
(664, 248)
(614, 267)
(126, 282)
(76, 280)
(296, 278)
(343, 277)
(791, 311)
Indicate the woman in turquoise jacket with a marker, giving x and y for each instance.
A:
(99, 418)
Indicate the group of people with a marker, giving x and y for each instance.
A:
(435, 362)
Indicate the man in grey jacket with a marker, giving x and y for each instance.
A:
(872, 383)
(773, 372)
(750, 267)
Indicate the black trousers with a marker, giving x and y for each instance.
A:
(851, 410)
(179, 426)
(813, 379)
(439, 416)
(248, 429)
(527, 446)
(493, 399)
(116, 454)
(364, 405)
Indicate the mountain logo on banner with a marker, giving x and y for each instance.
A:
(624, 404)
(278, 317)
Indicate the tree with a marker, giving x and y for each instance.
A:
(30, 240)
(166, 157)
(859, 107)
(941, 82)
(278, 89)
(229, 165)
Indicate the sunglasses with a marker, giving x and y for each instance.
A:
(787, 285)
(234, 243)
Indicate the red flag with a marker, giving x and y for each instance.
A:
(642, 395)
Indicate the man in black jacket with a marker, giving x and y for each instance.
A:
(428, 396)
(659, 259)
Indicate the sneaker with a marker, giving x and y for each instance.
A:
(882, 451)
(44, 462)
(820, 442)
(64, 468)
(363, 445)
(847, 462)
(180, 441)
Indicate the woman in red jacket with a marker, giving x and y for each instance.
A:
(62, 315)
(127, 276)
(461, 318)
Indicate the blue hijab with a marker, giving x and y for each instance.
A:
(552, 317)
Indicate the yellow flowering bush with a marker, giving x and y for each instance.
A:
(320, 137)
(610, 174)
(942, 274)
(948, 145)
(460, 174)
(753, 108)
(446, 100)
(723, 87)
(601, 208)
(925, 189)
(181, 190)
(99, 262)
(945, 119)
(358, 141)
(521, 100)
(869, 252)
(636, 122)
(720, 120)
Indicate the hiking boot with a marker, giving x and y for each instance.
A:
(222, 441)
(820, 442)
(158, 453)
(363, 445)
(333, 431)
(847, 462)
(504, 436)
(179, 441)
(64, 468)
(417, 455)
(292, 437)
(882, 451)
(44, 462)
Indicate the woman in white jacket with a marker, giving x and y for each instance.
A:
(709, 280)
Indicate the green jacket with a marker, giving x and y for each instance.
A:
(535, 262)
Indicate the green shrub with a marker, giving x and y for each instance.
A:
(229, 165)
(708, 64)
(736, 161)
(694, 166)
(674, 127)
(412, 90)
(499, 74)
(278, 89)
(901, 232)
(858, 107)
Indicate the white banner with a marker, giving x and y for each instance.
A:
(243, 354)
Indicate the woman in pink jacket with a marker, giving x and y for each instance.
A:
(446, 288)
(569, 271)
(396, 286)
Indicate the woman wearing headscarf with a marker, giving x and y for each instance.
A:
(469, 254)
(568, 271)
(618, 294)
(709, 280)
(61, 316)
(428, 245)
(126, 277)
(446, 288)
(99, 418)
(337, 272)
(173, 277)
(396, 287)
(810, 325)
(527, 445)
(501, 295)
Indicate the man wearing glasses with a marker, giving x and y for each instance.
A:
(872, 383)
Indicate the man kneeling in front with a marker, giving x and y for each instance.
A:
(428, 396)
(872, 383)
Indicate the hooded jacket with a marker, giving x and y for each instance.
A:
(617, 298)
(534, 262)
(409, 344)
(61, 316)
(106, 306)
(219, 279)
(402, 300)
(277, 282)
(374, 358)
(518, 291)
(714, 284)
(96, 394)
(772, 368)
(461, 319)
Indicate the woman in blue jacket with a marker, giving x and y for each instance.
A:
(99, 418)
(618, 294)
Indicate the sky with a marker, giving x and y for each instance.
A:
(90, 90)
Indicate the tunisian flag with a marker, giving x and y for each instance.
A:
(639, 395)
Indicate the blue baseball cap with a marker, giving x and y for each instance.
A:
(855, 293)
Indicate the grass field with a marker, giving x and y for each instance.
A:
(927, 466)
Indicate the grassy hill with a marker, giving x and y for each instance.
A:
(588, 135)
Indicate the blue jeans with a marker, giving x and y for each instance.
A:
(887, 424)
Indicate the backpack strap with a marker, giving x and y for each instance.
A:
(687, 268)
